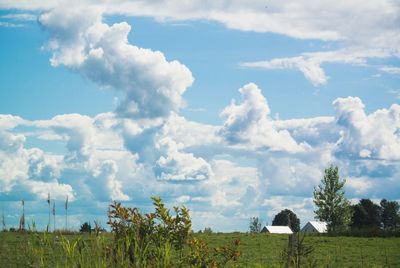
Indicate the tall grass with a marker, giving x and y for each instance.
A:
(156, 239)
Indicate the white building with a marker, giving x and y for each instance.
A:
(277, 230)
(315, 227)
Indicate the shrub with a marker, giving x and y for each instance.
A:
(159, 239)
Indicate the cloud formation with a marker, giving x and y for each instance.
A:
(248, 124)
(151, 86)
(248, 164)
(361, 31)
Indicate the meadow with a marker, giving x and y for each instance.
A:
(27, 249)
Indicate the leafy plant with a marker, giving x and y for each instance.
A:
(255, 225)
(159, 239)
(332, 205)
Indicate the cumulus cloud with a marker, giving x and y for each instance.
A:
(248, 124)
(152, 86)
(27, 173)
(8, 121)
(368, 136)
(303, 207)
(233, 170)
(361, 31)
(176, 165)
(104, 183)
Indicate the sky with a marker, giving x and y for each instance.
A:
(230, 108)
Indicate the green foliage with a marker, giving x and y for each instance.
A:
(200, 255)
(255, 225)
(366, 214)
(159, 239)
(256, 250)
(287, 218)
(145, 239)
(332, 205)
(297, 253)
(390, 214)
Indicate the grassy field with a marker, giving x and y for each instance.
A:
(257, 250)
(262, 250)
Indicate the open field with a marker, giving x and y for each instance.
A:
(257, 250)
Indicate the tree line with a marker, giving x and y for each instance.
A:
(332, 207)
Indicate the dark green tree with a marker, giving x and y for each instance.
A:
(366, 214)
(85, 228)
(287, 218)
(332, 205)
(255, 225)
(390, 214)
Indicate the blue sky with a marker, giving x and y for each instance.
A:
(123, 101)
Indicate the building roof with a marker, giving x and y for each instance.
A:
(321, 227)
(278, 229)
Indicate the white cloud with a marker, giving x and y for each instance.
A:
(361, 31)
(8, 121)
(375, 135)
(249, 124)
(197, 166)
(360, 185)
(28, 173)
(104, 183)
(310, 63)
(176, 165)
(11, 24)
(152, 86)
(19, 17)
(312, 70)
(302, 207)
(353, 22)
(390, 69)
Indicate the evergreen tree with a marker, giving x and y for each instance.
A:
(332, 205)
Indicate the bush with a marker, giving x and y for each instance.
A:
(159, 239)
(367, 232)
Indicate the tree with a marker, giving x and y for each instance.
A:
(287, 218)
(366, 214)
(85, 228)
(390, 214)
(332, 205)
(255, 225)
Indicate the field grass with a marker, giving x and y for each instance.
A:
(257, 250)
(262, 250)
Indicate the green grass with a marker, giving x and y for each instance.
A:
(262, 250)
(257, 250)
